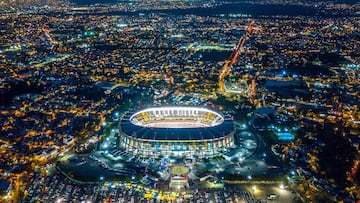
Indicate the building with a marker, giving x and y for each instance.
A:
(176, 131)
(5, 187)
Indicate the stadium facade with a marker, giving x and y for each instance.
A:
(176, 131)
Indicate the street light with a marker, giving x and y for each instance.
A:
(282, 187)
(254, 188)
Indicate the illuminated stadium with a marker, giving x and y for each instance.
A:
(176, 131)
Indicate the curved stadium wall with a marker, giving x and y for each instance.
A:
(176, 131)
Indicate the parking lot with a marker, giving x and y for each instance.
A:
(61, 189)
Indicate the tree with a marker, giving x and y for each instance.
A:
(336, 156)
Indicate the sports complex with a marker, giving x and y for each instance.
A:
(175, 147)
(176, 131)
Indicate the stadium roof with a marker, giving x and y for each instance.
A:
(174, 134)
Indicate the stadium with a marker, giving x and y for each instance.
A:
(176, 131)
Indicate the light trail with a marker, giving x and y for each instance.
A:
(228, 63)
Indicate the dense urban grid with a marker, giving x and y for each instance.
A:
(286, 73)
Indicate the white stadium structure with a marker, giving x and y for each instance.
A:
(176, 131)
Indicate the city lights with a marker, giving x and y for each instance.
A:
(179, 101)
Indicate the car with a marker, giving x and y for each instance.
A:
(271, 197)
